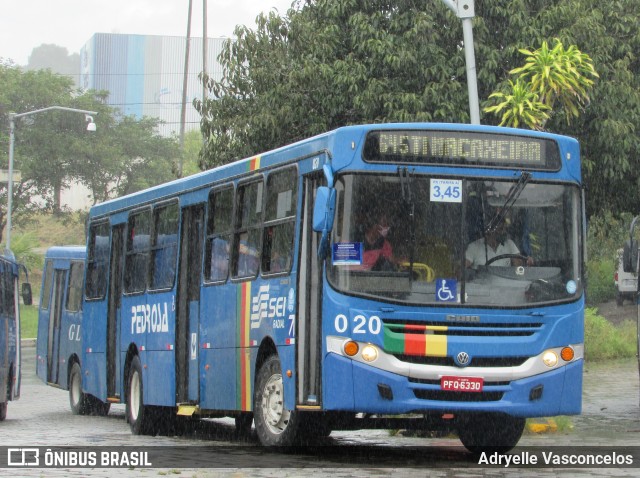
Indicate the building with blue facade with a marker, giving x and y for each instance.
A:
(144, 74)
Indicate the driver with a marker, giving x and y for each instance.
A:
(494, 243)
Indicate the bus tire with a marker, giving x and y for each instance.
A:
(138, 415)
(96, 407)
(3, 411)
(78, 401)
(490, 433)
(275, 425)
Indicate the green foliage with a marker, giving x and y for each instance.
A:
(329, 63)
(28, 321)
(604, 341)
(551, 78)
(53, 148)
(606, 234)
(24, 248)
(520, 108)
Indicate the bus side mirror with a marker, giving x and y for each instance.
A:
(27, 297)
(323, 212)
(630, 256)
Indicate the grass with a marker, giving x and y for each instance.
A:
(605, 341)
(28, 321)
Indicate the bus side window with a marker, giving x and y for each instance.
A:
(74, 291)
(219, 229)
(97, 260)
(165, 246)
(46, 287)
(246, 253)
(280, 217)
(137, 251)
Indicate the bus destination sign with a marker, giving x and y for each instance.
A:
(461, 148)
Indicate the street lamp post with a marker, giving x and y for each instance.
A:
(91, 126)
(465, 11)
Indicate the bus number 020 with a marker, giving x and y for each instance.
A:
(360, 324)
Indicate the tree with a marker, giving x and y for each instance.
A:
(53, 148)
(555, 80)
(330, 63)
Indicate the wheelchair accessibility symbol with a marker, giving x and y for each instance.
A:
(446, 290)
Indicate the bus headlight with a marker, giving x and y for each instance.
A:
(550, 358)
(369, 353)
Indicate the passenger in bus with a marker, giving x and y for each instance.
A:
(248, 257)
(378, 252)
(219, 259)
(494, 243)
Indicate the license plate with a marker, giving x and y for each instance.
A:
(461, 384)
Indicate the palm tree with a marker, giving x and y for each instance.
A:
(553, 77)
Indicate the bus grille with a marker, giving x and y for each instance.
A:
(470, 329)
(476, 362)
(447, 396)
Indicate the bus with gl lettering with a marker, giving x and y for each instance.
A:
(59, 343)
(425, 276)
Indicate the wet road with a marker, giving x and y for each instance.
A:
(611, 417)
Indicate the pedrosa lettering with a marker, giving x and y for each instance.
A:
(149, 318)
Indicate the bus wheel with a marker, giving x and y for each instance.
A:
(490, 433)
(3, 411)
(275, 425)
(136, 412)
(77, 399)
(96, 407)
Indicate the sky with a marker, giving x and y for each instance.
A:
(27, 24)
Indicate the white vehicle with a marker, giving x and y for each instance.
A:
(626, 282)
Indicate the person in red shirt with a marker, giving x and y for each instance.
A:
(378, 253)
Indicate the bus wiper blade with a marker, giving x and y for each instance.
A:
(512, 197)
(406, 185)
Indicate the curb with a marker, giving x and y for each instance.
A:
(26, 343)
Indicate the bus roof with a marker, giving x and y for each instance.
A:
(347, 138)
(66, 252)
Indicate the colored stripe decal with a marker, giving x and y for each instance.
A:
(243, 379)
(254, 163)
(420, 341)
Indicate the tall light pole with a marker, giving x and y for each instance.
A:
(91, 126)
(464, 10)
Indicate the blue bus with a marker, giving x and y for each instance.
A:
(10, 359)
(58, 349)
(375, 276)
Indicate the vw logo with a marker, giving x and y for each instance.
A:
(463, 359)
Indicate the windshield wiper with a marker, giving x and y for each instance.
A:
(512, 197)
(406, 185)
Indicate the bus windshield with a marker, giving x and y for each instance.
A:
(481, 242)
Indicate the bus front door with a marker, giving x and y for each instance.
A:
(55, 320)
(309, 333)
(113, 312)
(188, 305)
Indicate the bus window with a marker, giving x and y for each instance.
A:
(219, 229)
(247, 230)
(137, 254)
(46, 288)
(74, 291)
(97, 260)
(165, 246)
(280, 218)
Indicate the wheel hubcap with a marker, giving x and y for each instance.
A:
(275, 415)
(75, 389)
(134, 396)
